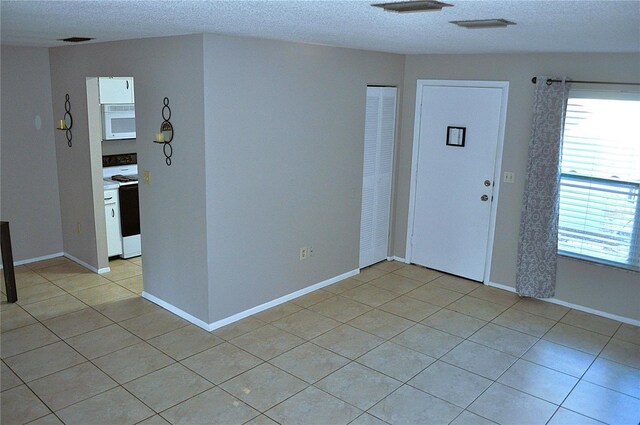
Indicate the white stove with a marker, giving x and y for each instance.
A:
(120, 173)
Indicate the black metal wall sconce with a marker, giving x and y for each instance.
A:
(66, 123)
(165, 136)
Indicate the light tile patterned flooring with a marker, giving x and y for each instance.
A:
(396, 344)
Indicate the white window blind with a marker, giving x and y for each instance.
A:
(600, 179)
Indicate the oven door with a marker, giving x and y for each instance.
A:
(129, 210)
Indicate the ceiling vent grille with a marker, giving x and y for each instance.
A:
(412, 6)
(484, 23)
(75, 39)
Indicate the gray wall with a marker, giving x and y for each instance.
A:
(94, 133)
(172, 207)
(285, 124)
(267, 159)
(29, 178)
(284, 152)
(601, 288)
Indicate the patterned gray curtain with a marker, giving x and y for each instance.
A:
(538, 244)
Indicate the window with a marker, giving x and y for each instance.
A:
(600, 179)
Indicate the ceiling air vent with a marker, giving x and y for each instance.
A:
(75, 39)
(412, 6)
(484, 23)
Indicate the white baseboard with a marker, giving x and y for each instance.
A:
(178, 312)
(60, 254)
(501, 286)
(398, 259)
(574, 306)
(56, 255)
(82, 263)
(228, 320)
(35, 259)
(87, 265)
(622, 319)
(283, 299)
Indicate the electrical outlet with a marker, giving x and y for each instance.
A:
(310, 251)
(78, 227)
(303, 253)
(509, 177)
(146, 176)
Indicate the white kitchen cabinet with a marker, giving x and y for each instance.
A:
(112, 216)
(116, 90)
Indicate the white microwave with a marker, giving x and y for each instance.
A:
(119, 121)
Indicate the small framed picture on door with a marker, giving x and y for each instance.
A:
(456, 136)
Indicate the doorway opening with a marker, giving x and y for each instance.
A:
(113, 156)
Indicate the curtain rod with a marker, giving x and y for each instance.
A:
(550, 81)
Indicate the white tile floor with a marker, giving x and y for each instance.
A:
(396, 344)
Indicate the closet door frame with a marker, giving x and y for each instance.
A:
(370, 203)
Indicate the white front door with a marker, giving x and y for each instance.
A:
(377, 173)
(459, 131)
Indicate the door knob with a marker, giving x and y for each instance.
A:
(484, 198)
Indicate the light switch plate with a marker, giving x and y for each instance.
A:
(146, 176)
(509, 177)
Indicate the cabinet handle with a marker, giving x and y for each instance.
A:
(127, 85)
(109, 198)
(113, 214)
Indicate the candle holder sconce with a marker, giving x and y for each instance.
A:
(165, 137)
(66, 123)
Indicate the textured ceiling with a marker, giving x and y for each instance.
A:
(542, 26)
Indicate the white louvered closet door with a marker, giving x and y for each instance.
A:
(379, 138)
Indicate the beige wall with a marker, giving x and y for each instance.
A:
(172, 207)
(29, 188)
(602, 288)
(284, 149)
(267, 159)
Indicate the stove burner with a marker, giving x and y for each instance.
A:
(123, 179)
